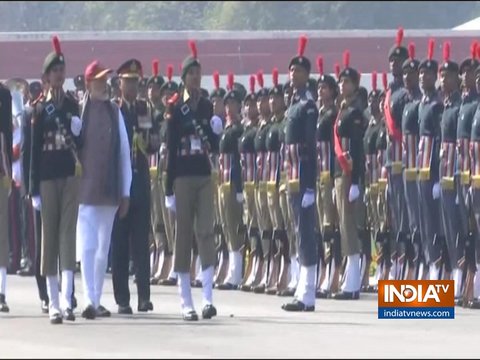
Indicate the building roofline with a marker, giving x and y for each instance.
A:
(224, 35)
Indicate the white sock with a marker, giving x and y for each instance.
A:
(352, 274)
(476, 283)
(207, 288)
(198, 269)
(434, 272)
(185, 290)
(3, 280)
(88, 276)
(234, 268)
(53, 295)
(306, 285)
(294, 272)
(172, 274)
(457, 278)
(421, 268)
(67, 289)
(325, 286)
(251, 277)
(378, 273)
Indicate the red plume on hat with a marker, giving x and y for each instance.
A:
(385, 81)
(302, 43)
(346, 59)
(155, 66)
(411, 50)
(320, 65)
(252, 84)
(56, 45)
(374, 81)
(473, 50)
(169, 72)
(230, 81)
(337, 70)
(446, 51)
(275, 76)
(216, 79)
(260, 78)
(399, 38)
(431, 47)
(193, 48)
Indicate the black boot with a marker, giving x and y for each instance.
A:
(3, 304)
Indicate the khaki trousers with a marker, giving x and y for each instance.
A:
(59, 221)
(327, 213)
(194, 213)
(350, 242)
(263, 216)
(287, 214)
(250, 214)
(4, 224)
(230, 216)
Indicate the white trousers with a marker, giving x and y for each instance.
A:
(94, 231)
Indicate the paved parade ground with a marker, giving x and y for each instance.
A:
(247, 325)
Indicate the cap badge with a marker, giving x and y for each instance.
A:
(133, 66)
(397, 51)
(60, 58)
(300, 60)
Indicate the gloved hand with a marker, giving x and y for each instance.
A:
(170, 203)
(240, 197)
(217, 125)
(436, 191)
(354, 193)
(37, 203)
(76, 125)
(308, 198)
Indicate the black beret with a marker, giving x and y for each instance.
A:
(410, 65)
(276, 90)
(218, 93)
(398, 51)
(169, 85)
(450, 66)
(233, 95)
(429, 65)
(157, 80)
(350, 73)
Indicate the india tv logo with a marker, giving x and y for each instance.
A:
(416, 299)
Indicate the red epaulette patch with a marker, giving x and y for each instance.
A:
(173, 99)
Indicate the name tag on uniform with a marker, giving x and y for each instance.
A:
(195, 144)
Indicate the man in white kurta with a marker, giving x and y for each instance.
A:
(104, 186)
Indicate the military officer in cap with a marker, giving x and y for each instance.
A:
(394, 103)
(300, 145)
(410, 132)
(327, 213)
(191, 133)
(131, 232)
(54, 183)
(348, 135)
(230, 191)
(5, 186)
(166, 275)
(429, 118)
(468, 106)
(79, 82)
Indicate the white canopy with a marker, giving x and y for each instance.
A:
(470, 25)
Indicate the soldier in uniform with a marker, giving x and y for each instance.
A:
(372, 170)
(104, 185)
(449, 81)
(230, 190)
(217, 98)
(281, 254)
(167, 90)
(79, 82)
(130, 234)
(466, 113)
(300, 144)
(154, 84)
(471, 297)
(348, 135)
(261, 199)
(191, 133)
(248, 161)
(394, 103)
(53, 185)
(5, 186)
(410, 133)
(327, 213)
(429, 117)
